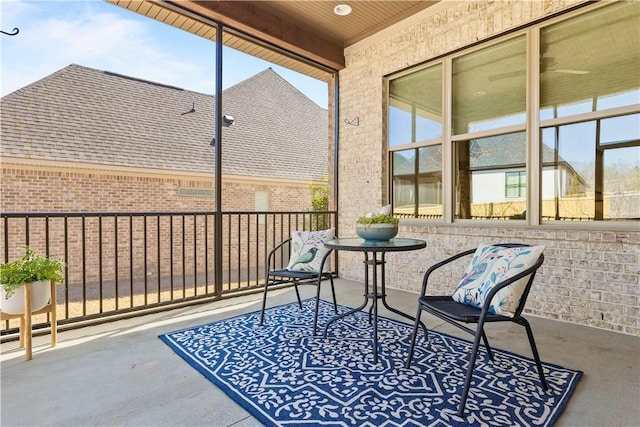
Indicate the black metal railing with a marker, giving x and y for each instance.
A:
(124, 264)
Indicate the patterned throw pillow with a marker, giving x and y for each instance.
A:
(491, 265)
(307, 250)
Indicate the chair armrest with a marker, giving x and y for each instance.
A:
(440, 264)
(272, 253)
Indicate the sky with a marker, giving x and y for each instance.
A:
(100, 35)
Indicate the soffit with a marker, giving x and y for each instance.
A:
(309, 29)
(367, 17)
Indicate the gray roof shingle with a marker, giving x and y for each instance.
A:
(80, 114)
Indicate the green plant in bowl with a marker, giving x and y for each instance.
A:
(377, 219)
(377, 227)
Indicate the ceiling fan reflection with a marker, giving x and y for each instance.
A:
(547, 64)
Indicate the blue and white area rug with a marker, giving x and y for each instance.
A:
(284, 376)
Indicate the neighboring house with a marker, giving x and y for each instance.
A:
(491, 167)
(85, 140)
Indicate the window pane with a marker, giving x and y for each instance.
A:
(404, 183)
(418, 194)
(430, 182)
(589, 176)
(489, 87)
(415, 107)
(482, 166)
(618, 130)
(591, 62)
(622, 184)
(516, 184)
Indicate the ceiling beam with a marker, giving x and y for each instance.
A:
(248, 17)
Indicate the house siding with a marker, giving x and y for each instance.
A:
(589, 277)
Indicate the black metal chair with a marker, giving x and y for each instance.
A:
(455, 313)
(280, 276)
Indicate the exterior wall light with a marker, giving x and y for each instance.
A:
(227, 121)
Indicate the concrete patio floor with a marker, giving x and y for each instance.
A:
(121, 374)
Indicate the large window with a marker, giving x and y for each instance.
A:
(568, 126)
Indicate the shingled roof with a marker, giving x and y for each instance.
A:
(80, 114)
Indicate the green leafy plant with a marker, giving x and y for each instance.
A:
(319, 203)
(377, 219)
(30, 268)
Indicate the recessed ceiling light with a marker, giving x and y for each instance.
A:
(342, 9)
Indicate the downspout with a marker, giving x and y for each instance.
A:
(336, 157)
(336, 133)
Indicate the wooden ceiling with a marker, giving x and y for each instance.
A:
(309, 29)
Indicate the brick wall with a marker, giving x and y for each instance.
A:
(589, 277)
(46, 189)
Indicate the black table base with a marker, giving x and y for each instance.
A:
(371, 259)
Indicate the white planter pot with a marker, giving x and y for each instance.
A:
(40, 297)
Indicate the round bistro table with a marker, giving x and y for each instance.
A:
(374, 254)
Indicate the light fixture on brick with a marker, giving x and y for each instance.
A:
(354, 122)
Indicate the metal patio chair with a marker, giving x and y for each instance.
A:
(279, 276)
(457, 313)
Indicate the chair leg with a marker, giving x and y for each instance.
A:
(414, 335)
(472, 363)
(264, 300)
(335, 302)
(295, 285)
(534, 350)
(317, 309)
(486, 344)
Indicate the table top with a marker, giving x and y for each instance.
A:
(360, 245)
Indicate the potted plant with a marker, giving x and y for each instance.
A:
(30, 268)
(379, 226)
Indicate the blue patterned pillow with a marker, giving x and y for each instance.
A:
(307, 250)
(491, 265)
